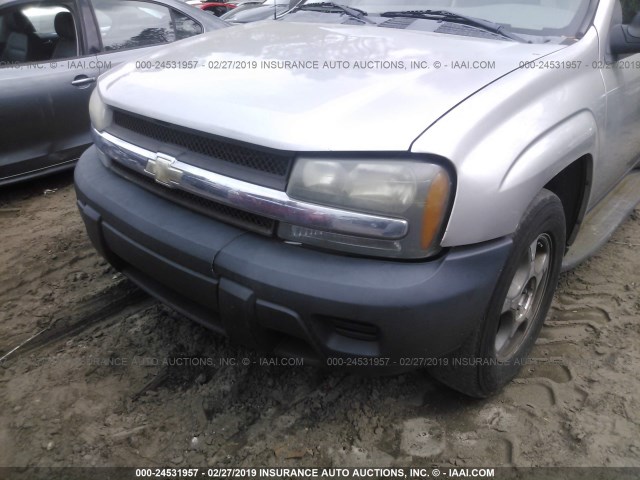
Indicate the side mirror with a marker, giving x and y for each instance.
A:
(625, 39)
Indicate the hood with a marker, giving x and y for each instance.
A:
(315, 87)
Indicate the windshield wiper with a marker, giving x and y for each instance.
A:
(457, 18)
(331, 7)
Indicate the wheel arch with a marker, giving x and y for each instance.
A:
(560, 158)
(561, 161)
(572, 186)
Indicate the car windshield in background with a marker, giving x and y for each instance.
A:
(531, 17)
(135, 24)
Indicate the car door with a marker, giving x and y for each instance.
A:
(621, 141)
(45, 84)
(132, 29)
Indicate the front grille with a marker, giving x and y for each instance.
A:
(224, 213)
(270, 162)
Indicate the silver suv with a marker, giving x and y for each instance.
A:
(373, 183)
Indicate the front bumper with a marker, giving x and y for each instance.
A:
(282, 298)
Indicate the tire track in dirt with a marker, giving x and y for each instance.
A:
(122, 299)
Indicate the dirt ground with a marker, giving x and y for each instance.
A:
(112, 378)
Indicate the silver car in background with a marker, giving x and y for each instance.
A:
(51, 53)
(385, 184)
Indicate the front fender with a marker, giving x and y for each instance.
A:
(510, 139)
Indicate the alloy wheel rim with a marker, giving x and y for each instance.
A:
(524, 297)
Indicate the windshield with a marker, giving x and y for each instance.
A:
(533, 17)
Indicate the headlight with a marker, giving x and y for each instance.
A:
(416, 191)
(100, 114)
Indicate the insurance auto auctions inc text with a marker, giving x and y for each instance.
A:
(374, 472)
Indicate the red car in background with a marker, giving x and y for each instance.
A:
(217, 8)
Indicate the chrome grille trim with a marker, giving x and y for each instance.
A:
(249, 197)
(229, 215)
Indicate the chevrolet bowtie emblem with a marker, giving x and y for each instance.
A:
(163, 171)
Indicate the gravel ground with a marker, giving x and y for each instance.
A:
(112, 378)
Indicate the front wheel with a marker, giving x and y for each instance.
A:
(492, 356)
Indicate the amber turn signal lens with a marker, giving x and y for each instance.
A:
(434, 209)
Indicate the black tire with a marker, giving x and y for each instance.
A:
(487, 361)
